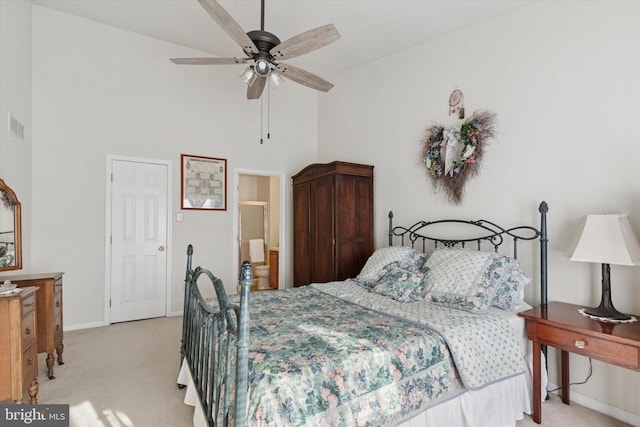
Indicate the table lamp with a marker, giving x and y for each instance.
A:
(607, 239)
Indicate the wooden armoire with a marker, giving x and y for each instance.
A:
(332, 221)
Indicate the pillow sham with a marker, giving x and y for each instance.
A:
(464, 279)
(510, 292)
(406, 257)
(400, 283)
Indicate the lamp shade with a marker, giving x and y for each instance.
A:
(607, 239)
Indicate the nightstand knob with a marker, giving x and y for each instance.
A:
(579, 343)
(27, 331)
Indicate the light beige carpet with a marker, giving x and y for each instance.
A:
(125, 374)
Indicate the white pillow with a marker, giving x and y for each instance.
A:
(464, 279)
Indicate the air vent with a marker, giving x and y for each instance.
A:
(15, 127)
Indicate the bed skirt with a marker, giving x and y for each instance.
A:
(498, 404)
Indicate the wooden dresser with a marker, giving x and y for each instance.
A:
(332, 221)
(49, 303)
(18, 348)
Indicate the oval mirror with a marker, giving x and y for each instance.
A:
(10, 229)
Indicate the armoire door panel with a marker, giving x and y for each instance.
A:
(322, 226)
(335, 201)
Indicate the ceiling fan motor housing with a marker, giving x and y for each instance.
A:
(264, 41)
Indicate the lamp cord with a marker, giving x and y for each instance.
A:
(589, 373)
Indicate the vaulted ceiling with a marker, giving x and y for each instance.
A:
(370, 29)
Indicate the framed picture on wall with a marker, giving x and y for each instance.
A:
(204, 183)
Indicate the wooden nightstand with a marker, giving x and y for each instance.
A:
(560, 325)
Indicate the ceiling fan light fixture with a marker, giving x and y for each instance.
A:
(275, 78)
(262, 67)
(248, 76)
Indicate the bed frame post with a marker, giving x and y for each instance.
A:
(185, 308)
(390, 228)
(544, 208)
(242, 364)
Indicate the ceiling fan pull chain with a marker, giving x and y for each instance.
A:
(269, 112)
(261, 104)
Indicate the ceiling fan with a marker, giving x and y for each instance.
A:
(266, 49)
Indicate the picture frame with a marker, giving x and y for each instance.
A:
(203, 182)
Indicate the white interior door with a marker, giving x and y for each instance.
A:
(138, 240)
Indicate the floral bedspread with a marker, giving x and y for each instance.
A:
(335, 354)
(484, 347)
(315, 359)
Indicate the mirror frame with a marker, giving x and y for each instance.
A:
(17, 229)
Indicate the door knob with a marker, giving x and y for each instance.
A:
(161, 248)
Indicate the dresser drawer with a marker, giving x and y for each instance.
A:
(616, 353)
(29, 366)
(28, 304)
(57, 330)
(57, 305)
(28, 329)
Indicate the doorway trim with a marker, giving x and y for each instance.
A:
(281, 238)
(107, 229)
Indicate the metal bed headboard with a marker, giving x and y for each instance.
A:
(490, 233)
(486, 232)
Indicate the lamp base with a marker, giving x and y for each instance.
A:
(606, 310)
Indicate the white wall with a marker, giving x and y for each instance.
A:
(563, 80)
(15, 97)
(101, 91)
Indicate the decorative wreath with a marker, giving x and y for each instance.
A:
(452, 156)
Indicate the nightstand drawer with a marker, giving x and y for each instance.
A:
(627, 356)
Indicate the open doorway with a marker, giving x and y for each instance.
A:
(259, 225)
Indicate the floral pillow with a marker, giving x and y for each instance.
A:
(464, 279)
(510, 293)
(406, 257)
(401, 284)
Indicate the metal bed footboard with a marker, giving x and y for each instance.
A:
(213, 338)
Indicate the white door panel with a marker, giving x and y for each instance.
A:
(138, 240)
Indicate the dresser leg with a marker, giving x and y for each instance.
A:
(33, 391)
(60, 350)
(537, 382)
(50, 360)
(564, 360)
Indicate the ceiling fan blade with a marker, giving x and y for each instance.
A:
(229, 25)
(306, 42)
(254, 90)
(208, 61)
(305, 78)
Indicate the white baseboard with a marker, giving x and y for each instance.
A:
(100, 324)
(601, 407)
(83, 326)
